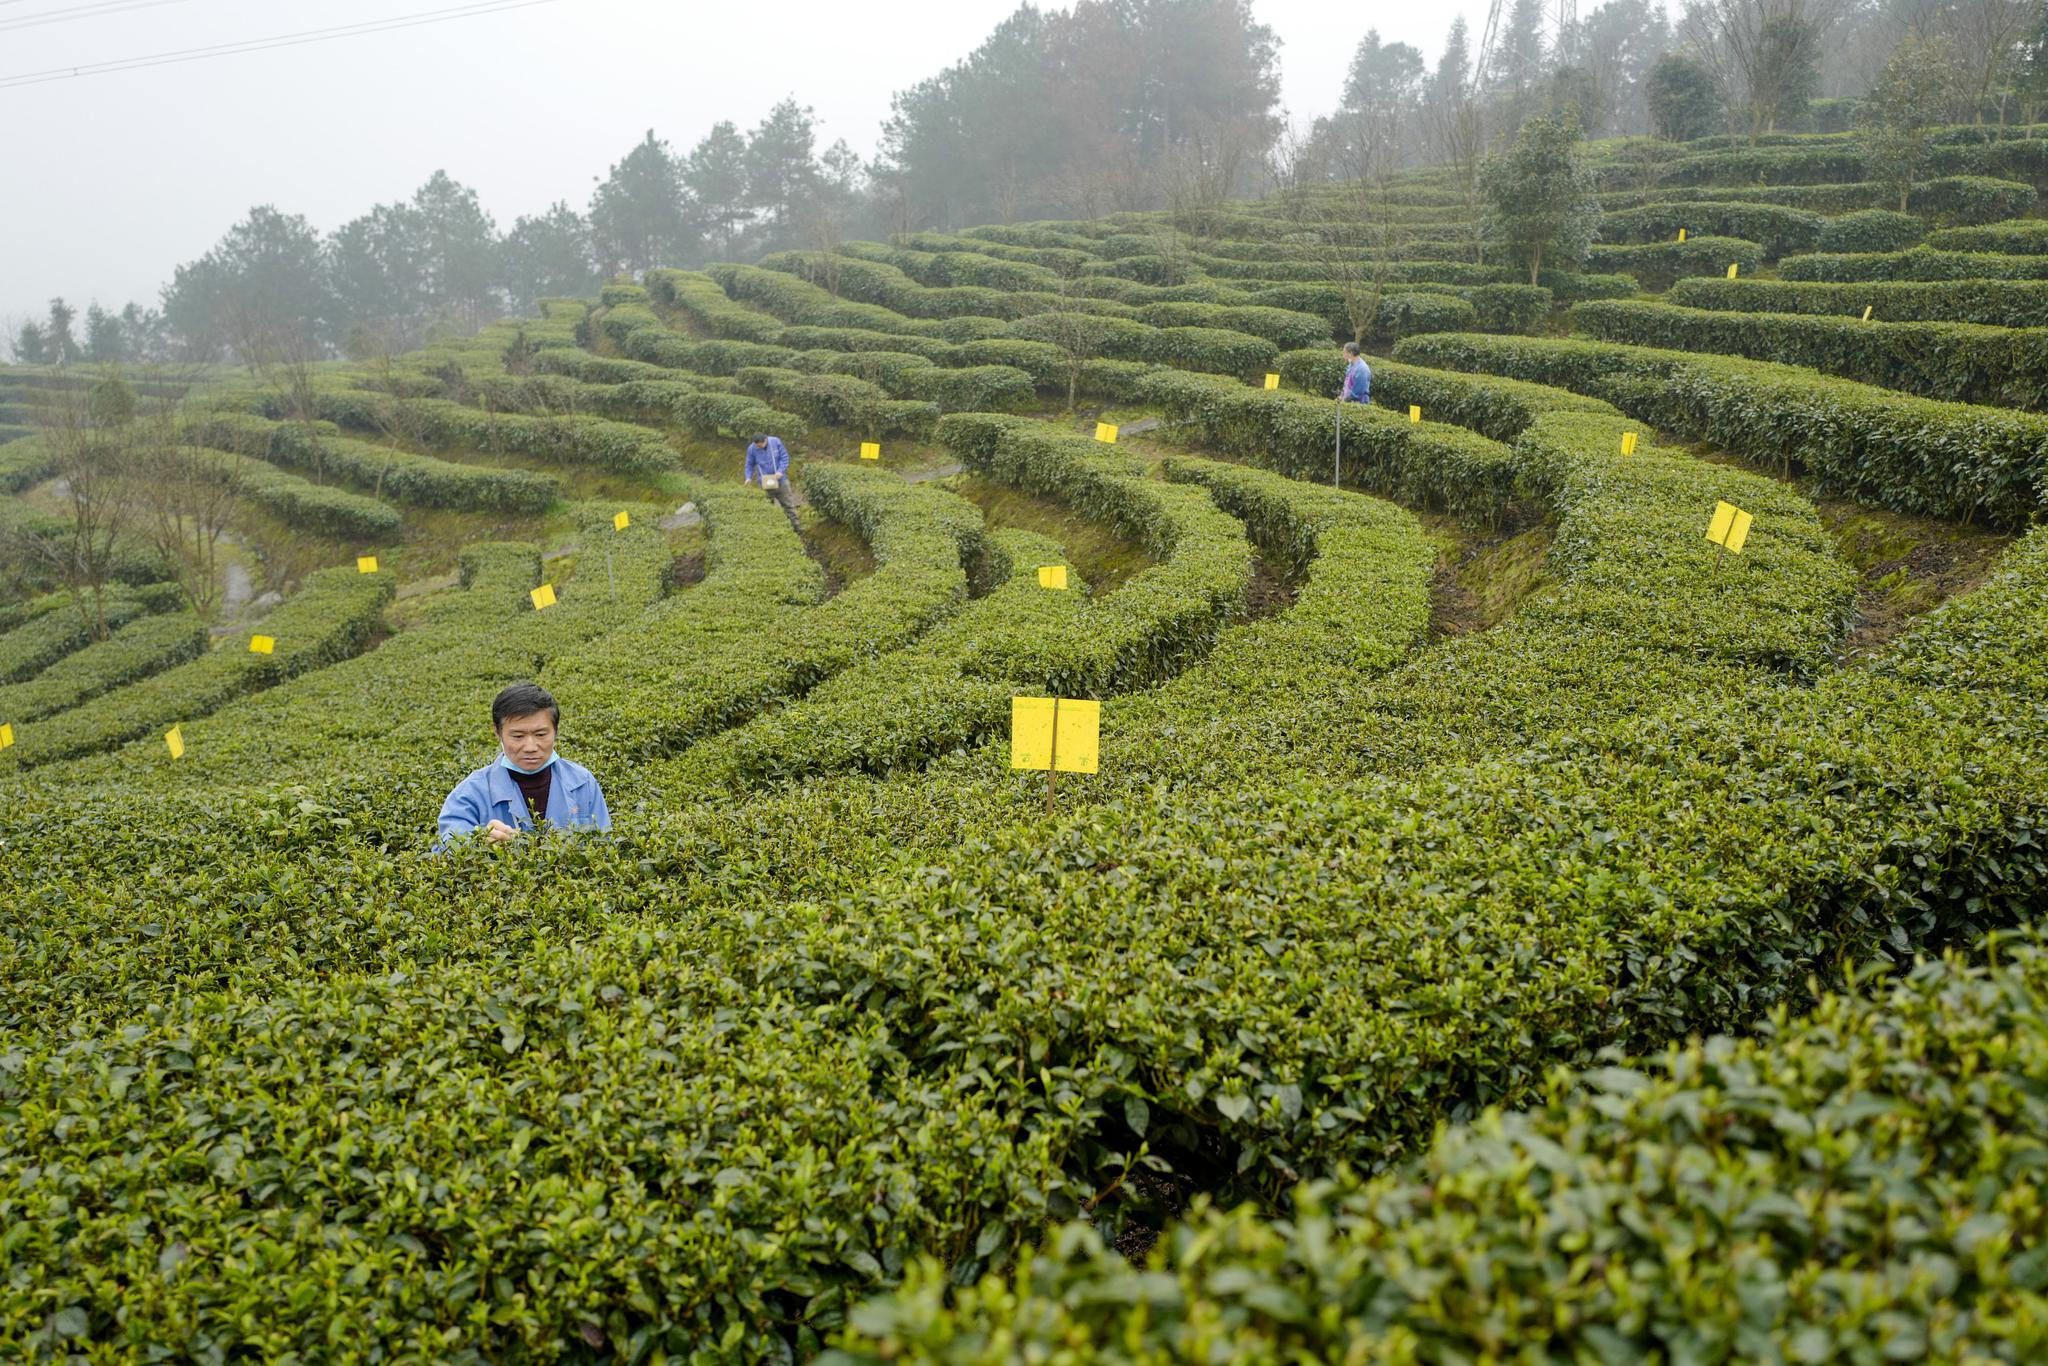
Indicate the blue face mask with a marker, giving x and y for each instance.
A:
(506, 760)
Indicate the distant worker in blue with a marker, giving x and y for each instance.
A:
(1357, 377)
(529, 782)
(768, 465)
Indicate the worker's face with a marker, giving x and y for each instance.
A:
(528, 740)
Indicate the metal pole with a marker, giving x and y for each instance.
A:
(1337, 460)
(1052, 763)
(613, 578)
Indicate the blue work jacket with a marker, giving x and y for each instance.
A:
(772, 458)
(1357, 382)
(574, 801)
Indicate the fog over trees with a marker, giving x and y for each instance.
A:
(1075, 112)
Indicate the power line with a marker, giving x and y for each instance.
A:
(195, 54)
(59, 16)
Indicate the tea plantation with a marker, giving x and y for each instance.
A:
(1505, 924)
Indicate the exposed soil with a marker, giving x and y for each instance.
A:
(1103, 558)
(1482, 577)
(687, 571)
(1908, 564)
(1270, 591)
(838, 550)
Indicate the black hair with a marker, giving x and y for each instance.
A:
(1350, 348)
(761, 440)
(523, 699)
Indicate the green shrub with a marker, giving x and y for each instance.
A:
(145, 646)
(1775, 228)
(1286, 330)
(1509, 308)
(706, 304)
(955, 685)
(42, 640)
(1869, 230)
(1992, 303)
(1600, 1174)
(1657, 264)
(1957, 362)
(1499, 409)
(403, 476)
(1297, 435)
(747, 638)
(1891, 450)
(1409, 314)
(841, 401)
(331, 618)
(300, 503)
(1919, 263)
(2015, 237)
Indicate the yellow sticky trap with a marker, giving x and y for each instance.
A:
(1106, 431)
(871, 450)
(1866, 311)
(6, 736)
(1730, 527)
(1415, 412)
(620, 521)
(543, 597)
(366, 564)
(262, 645)
(1031, 734)
(1052, 576)
(1681, 234)
(1628, 443)
(174, 741)
(1272, 381)
(1731, 268)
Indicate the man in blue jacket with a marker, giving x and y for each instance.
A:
(1357, 377)
(529, 783)
(768, 465)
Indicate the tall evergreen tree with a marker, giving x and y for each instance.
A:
(715, 174)
(548, 256)
(640, 214)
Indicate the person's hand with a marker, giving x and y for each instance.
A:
(497, 832)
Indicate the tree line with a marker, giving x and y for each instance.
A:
(1072, 113)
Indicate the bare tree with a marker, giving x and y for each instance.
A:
(89, 431)
(1294, 167)
(183, 499)
(1765, 53)
(1355, 208)
(282, 359)
(1455, 126)
(1986, 36)
(1203, 171)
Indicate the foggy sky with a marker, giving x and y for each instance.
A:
(109, 181)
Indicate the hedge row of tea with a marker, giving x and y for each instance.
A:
(906, 1032)
(834, 1005)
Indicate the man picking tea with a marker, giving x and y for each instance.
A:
(768, 465)
(529, 783)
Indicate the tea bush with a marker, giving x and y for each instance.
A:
(1776, 229)
(1952, 361)
(1918, 263)
(2016, 237)
(1869, 230)
(145, 646)
(1913, 454)
(1992, 303)
(1657, 264)
(328, 620)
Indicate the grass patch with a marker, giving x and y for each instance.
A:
(1105, 560)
